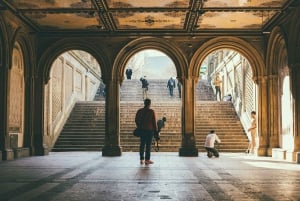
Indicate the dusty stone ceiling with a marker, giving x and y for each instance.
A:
(149, 16)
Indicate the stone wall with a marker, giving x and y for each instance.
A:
(236, 75)
(72, 79)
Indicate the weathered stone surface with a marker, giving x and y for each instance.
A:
(77, 176)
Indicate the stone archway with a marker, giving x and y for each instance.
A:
(171, 50)
(135, 46)
(52, 52)
(246, 49)
(255, 59)
(67, 92)
(276, 62)
(294, 66)
(16, 99)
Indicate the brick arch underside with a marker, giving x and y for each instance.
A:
(253, 56)
(277, 55)
(50, 54)
(149, 43)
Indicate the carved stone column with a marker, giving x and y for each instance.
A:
(262, 118)
(5, 151)
(188, 144)
(38, 148)
(295, 86)
(274, 113)
(112, 126)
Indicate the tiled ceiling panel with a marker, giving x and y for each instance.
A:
(64, 20)
(44, 4)
(150, 20)
(148, 3)
(244, 3)
(234, 20)
(151, 16)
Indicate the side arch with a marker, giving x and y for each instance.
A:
(277, 51)
(28, 52)
(64, 45)
(243, 47)
(294, 39)
(149, 43)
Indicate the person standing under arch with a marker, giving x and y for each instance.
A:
(145, 85)
(171, 85)
(145, 120)
(217, 82)
(179, 88)
(128, 73)
(252, 130)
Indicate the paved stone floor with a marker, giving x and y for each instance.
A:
(87, 176)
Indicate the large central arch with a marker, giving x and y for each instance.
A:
(137, 45)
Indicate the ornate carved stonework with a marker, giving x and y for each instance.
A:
(16, 92)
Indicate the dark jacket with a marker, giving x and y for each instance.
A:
(145, 118)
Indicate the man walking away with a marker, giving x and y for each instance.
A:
(171, 86)
(128, 73)
(145, 85)
(145, 120)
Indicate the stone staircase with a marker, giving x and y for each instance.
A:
(170, 135)
(210, 114)
(84, 129)
(131, 90)
(221, 117)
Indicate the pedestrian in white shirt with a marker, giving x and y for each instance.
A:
(211, 138)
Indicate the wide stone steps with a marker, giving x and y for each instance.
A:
(86, 126)
(221, 117)
(170, 135)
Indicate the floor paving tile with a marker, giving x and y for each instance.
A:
(87, 176)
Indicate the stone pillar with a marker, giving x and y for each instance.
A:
(188, 144)
(112, 113)
(295, 86)
(263, 105)
(38, 148)
(7, 152)
(274, 113)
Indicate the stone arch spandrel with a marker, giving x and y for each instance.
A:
(243, 47)
(51, 53)
(294, 39)
(276, 61)
(294, 67)
(149, 43)
(276, 52)
(293, 52)
(28, 53)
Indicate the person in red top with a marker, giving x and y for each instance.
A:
(145, 120)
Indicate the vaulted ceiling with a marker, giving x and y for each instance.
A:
(149, 16)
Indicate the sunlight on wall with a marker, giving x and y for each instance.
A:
(286, 115)
(151, 63)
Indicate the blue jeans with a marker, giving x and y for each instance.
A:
(171, 89)
(213, 151)
(146, 141)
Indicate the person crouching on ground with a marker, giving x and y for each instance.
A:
(211, 138)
